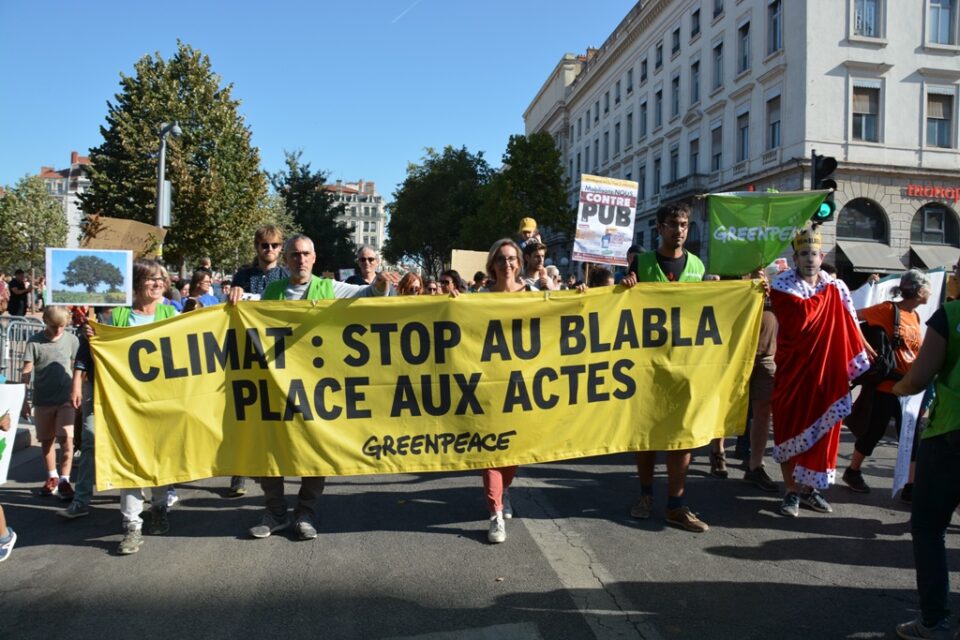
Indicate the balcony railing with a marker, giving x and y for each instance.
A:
(693, 184)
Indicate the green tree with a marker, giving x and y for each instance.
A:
(429, 210)
(315, 212)
(30, 221)
(530, 184)
(89, 272)
(217, 182)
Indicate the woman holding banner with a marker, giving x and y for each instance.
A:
(505, 275)
(150, 280)
(877, 404)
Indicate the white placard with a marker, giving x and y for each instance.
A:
(605, 220)
(11, 401)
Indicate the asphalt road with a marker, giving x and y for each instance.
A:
(405, 556)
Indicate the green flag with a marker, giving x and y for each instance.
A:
(749, 230)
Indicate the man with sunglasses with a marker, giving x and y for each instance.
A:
(267, 242)
(369, 262)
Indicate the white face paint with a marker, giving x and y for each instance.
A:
(808, 261)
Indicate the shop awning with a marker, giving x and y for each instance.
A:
(871, 257)
(936, 255)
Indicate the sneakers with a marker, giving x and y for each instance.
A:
(237, 487)
(758, 477)
(269, 524)
(6, 546)
(853, 478)
(65, 490)
(132, 539)
(815, 500)
(916, 630)
(682, 517)
(507, 506)
(642, 506)
(906, 494)
(790, 506)
(718, 465)
(305, 530)
(49, 487)
(159, 522)
(172, 497)
(74, 510)
(498, 529)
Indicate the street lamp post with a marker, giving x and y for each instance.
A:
(172, 128)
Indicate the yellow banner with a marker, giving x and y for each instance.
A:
(411, 384)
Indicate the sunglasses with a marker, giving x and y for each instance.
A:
(431, 288)
(446, 282)
(269, 245)
(368, 259)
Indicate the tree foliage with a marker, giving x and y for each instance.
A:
(453, 200)
(89, 272)
(314, 211)
(530, 184)
(215, 172)
(30, 221)
(431, 207)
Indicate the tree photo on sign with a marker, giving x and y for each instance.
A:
(750, 230)
(88, 276)
(90, 271)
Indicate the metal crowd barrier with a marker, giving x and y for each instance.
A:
(14, 333)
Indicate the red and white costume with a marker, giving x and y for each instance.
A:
(819, 350)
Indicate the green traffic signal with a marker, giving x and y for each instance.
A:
(825, 211)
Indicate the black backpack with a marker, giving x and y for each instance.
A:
(884, 365)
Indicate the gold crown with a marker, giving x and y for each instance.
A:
(807, 238)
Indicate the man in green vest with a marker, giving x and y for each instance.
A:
(669, 263)
(300, 256)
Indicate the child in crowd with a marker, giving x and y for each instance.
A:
(49, 362)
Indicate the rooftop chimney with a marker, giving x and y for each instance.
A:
(73, 158)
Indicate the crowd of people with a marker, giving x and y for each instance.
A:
(811, 346)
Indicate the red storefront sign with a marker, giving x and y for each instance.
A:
(925, 191)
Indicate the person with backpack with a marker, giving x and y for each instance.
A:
(877, 404)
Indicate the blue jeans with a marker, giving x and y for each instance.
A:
(936, 494)
(86, 467)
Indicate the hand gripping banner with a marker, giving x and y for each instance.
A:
(413, 384)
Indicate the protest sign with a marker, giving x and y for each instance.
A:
(748, 230)
(98, 277)
(419, 383)
(101, 232)
(11, 400)
(605, 218)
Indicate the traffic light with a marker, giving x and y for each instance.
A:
(822, 168)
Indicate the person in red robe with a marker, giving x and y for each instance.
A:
(819, 350)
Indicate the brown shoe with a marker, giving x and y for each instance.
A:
(682, 517)
(641, 507)
(718, 465)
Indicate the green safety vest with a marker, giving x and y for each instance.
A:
(317, 289)
(650, 271)
(945, 413)
(120, 317)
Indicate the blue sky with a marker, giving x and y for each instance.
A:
(360, 87)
